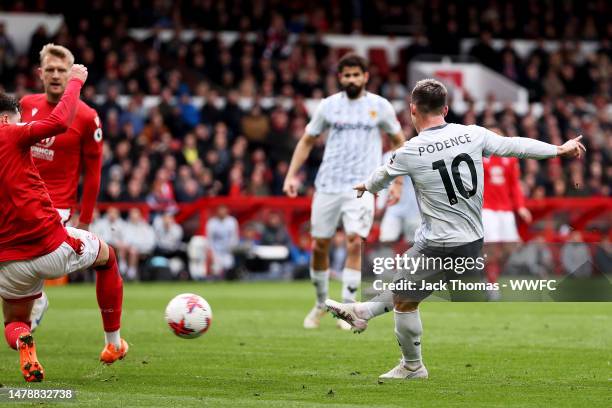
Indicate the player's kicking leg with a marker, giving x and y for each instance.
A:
(357, 314)
(408, 330)
(408, 327)
(109, 293)
(348, 313)
(22, 281)
(19, 337)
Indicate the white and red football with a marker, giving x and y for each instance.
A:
(188, 315)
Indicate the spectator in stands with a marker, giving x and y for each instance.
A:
(253, 90)
(8, 57)
(200, 258)
(393, 89)
(222, 233)
(135, 114)
(112, 229)
(256, 126)
(533, 258)
(168, 235)
(112, 193)
(576, 257)
(274, 231)
(483, 51)
(300, 257)
(189, 114)
(161, 198)
(139, 242)
(134, 192)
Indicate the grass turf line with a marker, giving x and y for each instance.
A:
(257, 354)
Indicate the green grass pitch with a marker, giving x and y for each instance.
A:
(257, 354)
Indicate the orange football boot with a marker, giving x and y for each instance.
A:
(109, 355)
(30, 367)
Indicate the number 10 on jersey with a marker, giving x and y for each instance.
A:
(448, 185)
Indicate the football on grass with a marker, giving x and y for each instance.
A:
(188, 315)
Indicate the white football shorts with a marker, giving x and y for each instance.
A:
(65, 214)
(499, 226)
(393, 226)
(327, 209)
(23, 280)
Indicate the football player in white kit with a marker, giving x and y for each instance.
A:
(399, 219)
(445, 164)
(353, 149)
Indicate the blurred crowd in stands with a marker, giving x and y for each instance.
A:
(568, 19)
(240, 141)
(162, 250)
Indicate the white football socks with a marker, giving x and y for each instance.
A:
(113, 338)
(320, 280)
(408, 330)
(351, 281)
(371, 309)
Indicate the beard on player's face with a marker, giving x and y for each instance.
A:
(352, 90)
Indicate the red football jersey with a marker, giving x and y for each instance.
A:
(502, 188)
(61, 159)
(29, 224)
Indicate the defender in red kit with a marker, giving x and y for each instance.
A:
(63, 158)
(34, 245)
(502, 199)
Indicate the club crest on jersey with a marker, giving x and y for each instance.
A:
(48, 142)
(34, 111)
(373, 114)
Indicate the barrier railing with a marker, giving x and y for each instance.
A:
(591, 216)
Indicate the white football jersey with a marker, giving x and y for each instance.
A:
(407, 206)
(445, 164)
(354, 147)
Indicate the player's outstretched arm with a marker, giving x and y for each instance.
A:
(527, 148)
(302, 150)
(571, 148)
(62, 115)
(399, 165)
(379, 180)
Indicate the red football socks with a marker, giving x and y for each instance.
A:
(13, 330)
(109, 291)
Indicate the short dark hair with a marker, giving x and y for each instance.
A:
(429, 96)
(8, 104)
(352, 60)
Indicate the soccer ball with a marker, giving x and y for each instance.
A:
(188, 315)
